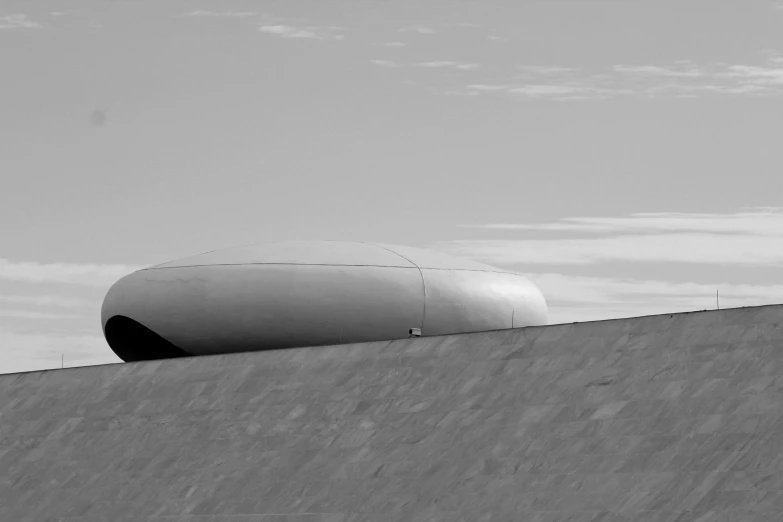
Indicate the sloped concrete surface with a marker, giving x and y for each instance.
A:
(662, 418)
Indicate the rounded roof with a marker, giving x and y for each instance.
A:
(335, 253)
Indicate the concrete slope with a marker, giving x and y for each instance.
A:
(662, 418)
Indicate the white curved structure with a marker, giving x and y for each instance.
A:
(307, 293)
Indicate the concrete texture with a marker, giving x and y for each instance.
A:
(662, 418)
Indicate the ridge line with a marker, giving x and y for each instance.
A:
(423, 284)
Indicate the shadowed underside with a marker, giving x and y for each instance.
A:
(663, 418)
(132, 341)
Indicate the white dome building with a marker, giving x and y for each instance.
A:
(309, 293)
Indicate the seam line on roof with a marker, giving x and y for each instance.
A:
(157, 267)
(423, 284)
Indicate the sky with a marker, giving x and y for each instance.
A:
(625, 156)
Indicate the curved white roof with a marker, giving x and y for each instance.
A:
(334, 253)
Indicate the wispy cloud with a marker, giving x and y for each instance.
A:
(563, 92)
(222, 14)
(578, 298)
(20, 352)
(44, 300)
(395, 44)
(309, 32)
(750, 250)
(682, 78)
(552, 82)
(99, 275)
(751, 238)
(384, 63)
(578, 252)
(442, 64)
(462, 66)
(545, 70)
(458, 92)
(482, 87)
(49, 309)
(18, 21)
(754, 75)
(681, 70)
(27, 314)
(547, 91)
(421, 29)
(762, 221)
(287, 31)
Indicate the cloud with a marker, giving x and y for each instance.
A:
(562, 92)
(21, 352)
(18, 21)
(674, 90)
(545, 70)
(384, 63)
(44, 300)
(488, 88)
(287, 31)
(682, 248)
(460, 66)
(417, 29)
(553, 82)
(449, 64)
(100, 275)
(223, 14)
(26, 314)
(461, 93)
(680, 79)
(315, 33)
(751, 238)
(767, 221)
(550, 91)
(653, 70)
(578, 298)
(395, 44)
(755, 75)
(38, 325)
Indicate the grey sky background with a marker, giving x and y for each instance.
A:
(625, 155)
